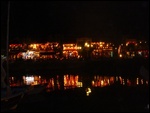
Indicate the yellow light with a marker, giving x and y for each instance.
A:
(86, 44)
(88, 91)
(102, 82)
(120, 55)
(137, 81)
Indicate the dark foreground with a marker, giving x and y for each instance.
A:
(111, 98)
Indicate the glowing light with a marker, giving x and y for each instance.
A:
(101, 45)
(142, 81)
(29, 78)
(92, 82)
(12, 78)
(116, 78)
(86, 44)
(123, 82)
(88, 91)
(120, 55)
(108, 81)
(137, 81)
(147, 82)
(102, 82)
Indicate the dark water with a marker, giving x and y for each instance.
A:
(84, 92)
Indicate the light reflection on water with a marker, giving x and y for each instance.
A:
(76, 93)
(69, 81)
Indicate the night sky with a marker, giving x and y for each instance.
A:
(66, 21)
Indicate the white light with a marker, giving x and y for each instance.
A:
(120, 55)
(29, 79)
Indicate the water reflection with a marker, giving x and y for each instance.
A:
(72, 81)
(88, 91)
(101, 81)
(26, 80)
(69, 81)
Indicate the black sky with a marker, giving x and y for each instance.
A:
(109, 20)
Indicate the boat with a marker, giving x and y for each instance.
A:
(11, 102)
(36, 89)
(10, 98)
